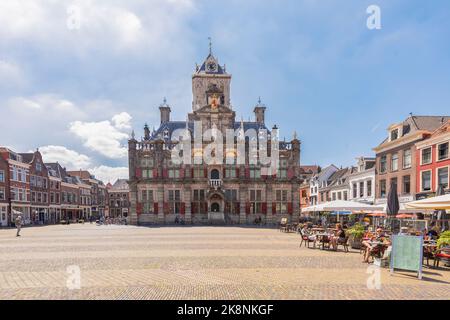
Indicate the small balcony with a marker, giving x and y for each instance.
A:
(215, 183)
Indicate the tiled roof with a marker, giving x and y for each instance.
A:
(309, 169)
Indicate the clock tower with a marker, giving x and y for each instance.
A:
(210, 76)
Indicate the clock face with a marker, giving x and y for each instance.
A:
(211, 66)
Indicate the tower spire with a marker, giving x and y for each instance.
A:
(210, 45)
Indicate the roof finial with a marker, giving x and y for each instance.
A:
(164, 100)
(259, 100)
(210, 45)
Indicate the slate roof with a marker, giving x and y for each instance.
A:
(203, 69)
(56, 170)
(27, 157)
(414, 123)
(171, 126)
(119, 185)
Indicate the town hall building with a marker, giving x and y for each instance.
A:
(164, 191)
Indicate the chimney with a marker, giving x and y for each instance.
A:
(165, 113)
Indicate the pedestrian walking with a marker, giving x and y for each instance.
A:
(18, 222)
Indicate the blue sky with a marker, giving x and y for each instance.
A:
(76, 92)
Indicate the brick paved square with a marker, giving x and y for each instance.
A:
(127, 262)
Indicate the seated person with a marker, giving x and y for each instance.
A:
(338, 237)
(379, 236)
(433, 233)
(305, 232)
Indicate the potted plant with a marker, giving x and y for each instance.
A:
(355, 235)
(444, 239)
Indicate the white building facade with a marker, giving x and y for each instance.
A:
(362, 182)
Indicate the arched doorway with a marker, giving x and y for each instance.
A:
(215, 174)
(215, 207)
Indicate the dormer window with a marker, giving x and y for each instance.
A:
(394, 134)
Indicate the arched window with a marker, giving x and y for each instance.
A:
(215, 174)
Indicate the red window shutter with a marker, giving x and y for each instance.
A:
(155, 173)
(264, 207)
(166, 208)
(290, 208)
(224, 173)
(182, 209)
(247, 208)
(237, 173)
(238, 207)
(139, 208)
(192, 172)
(138, 172)
(182, 173)
(206, 173)
(193, 207)
(274, 208)
(155, 207)
(290, 173)
(165, 173)
(247, 172)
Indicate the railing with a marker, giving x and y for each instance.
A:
(215, 183)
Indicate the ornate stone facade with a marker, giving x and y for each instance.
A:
(162, 191)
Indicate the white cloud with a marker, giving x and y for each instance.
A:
(103, 136)
(109, 174)
(70, 159)
(86, 24)
(122, 121)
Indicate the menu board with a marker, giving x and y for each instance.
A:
(407, 253)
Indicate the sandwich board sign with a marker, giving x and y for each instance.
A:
(407, 253)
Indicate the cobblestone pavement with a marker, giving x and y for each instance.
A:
(126, 262)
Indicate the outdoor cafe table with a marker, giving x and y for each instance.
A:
(321, 236)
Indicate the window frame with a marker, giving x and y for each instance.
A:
(421, 156)
(448, 151)
(448, 176)
(383, 160)
(421, 180)
(392, 162)
(410, 159)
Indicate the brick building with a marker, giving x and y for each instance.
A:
(39, 187)
(119, 199)
(433, 162)
(54, 193)
(396, 162)
(161, 190)
(97, 198)
(306, 173)
(4, 191)
(18, 183)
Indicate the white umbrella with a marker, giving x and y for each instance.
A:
(434, 203)
(343, 205)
